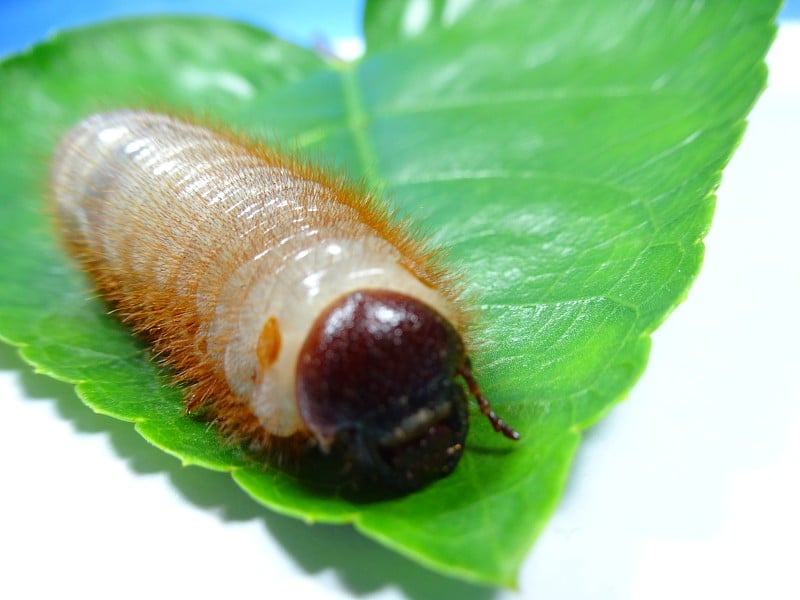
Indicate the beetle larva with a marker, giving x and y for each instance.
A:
(287, 302)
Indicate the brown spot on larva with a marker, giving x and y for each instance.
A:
(269, 343)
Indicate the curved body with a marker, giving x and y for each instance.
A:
(224, 253)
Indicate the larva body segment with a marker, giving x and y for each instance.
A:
(275, 292)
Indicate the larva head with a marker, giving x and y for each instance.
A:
(376, 379)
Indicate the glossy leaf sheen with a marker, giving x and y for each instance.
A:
(565, 153)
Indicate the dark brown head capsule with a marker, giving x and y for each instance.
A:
(377, 380)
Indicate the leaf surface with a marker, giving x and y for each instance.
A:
(564, 154)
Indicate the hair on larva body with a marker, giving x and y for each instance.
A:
(288, 303)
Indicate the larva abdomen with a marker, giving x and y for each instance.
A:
(289, 305)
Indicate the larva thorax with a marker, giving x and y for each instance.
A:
(243, 267)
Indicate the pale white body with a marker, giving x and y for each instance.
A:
(175, 211)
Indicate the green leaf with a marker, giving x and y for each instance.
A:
(565, 153)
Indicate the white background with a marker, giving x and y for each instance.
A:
(689, 489)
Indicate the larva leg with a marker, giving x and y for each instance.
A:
(465, 370)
